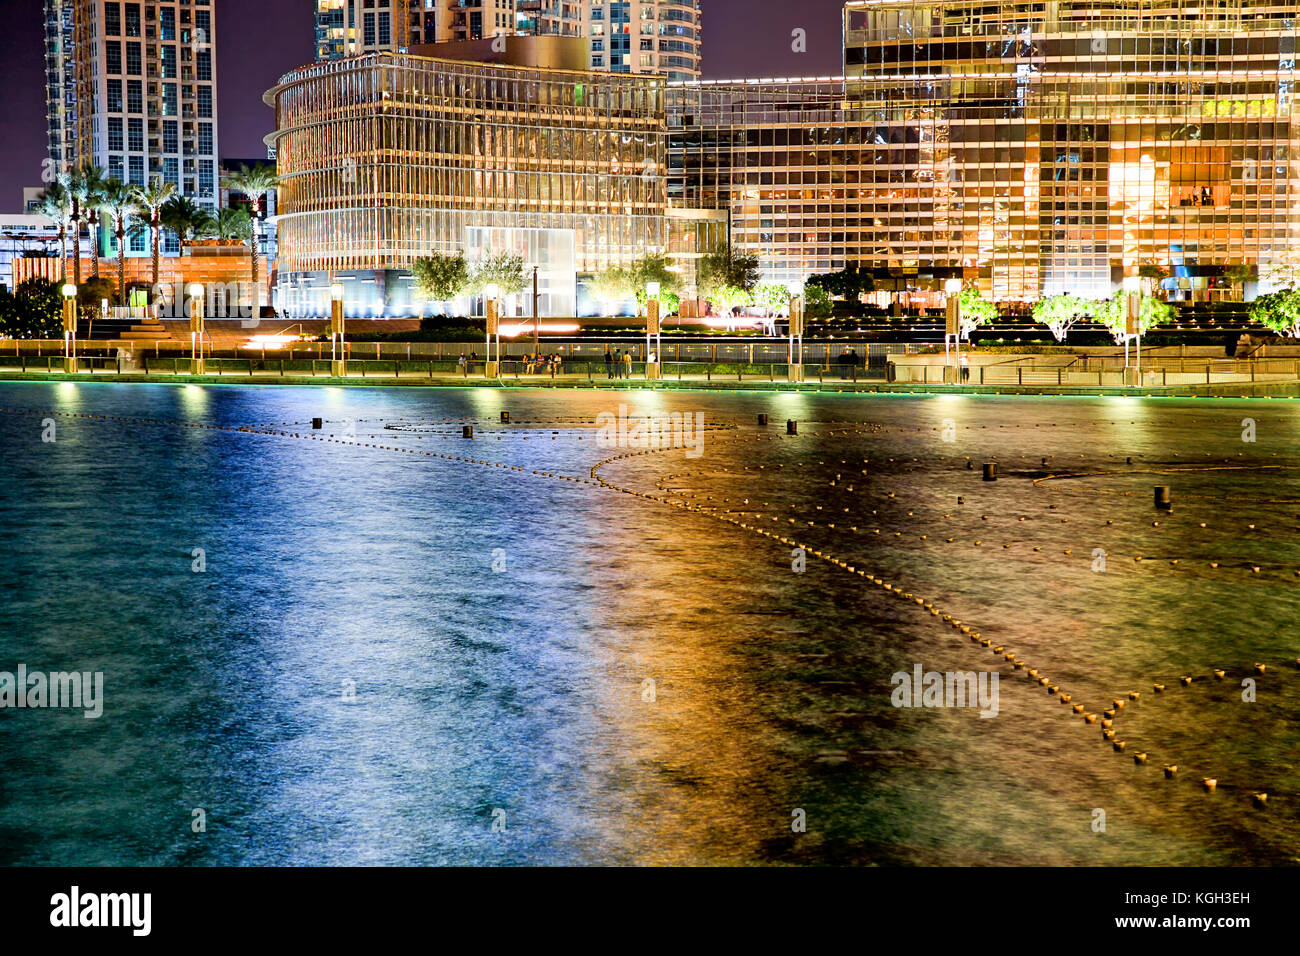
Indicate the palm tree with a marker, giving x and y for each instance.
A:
(232, 224)
(118, 204)
(186, 218)
(149, 201)
(55, 203)
(88, 185)
(254, 183)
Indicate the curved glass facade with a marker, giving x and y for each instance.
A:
(388, 157)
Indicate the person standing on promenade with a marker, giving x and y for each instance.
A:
(609, 363)
(627, 364)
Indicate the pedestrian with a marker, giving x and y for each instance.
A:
(609, 363)
(627, 364)
(965, 368)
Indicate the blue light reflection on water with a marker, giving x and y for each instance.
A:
(520, 691)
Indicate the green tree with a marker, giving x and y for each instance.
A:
(1279, 311)
(848, 284)
(55, 204)
(254, 183)
(655, 267)
(975, 310)
(119, 206)
(505, 269)
(1112, 314)
(32, 311)
(149, 201)
(232, 225)
(772, 298)
(729, 297)
(610, 285)
(440, 278)
(817, 302)
(88, 184)
(725, 268)
(1060, 313)
(186, 218)
(91, 295)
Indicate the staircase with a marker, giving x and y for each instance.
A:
(142, 328)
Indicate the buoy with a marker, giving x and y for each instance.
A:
(1139, 757)
(1259, 668)
(990, 471)
(1209, 783)
(1133, 695)
(1171, 770)
(1218, 674)
(1162, 498)
(1158, 688)
(317, 423)
(762, 418)
(1259, 799)
(467, 431)
(1089, 718)
(1107, 734)
(791, 427)
(1119, 746)
(1186, 681)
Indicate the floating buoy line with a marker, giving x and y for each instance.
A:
(961, 629)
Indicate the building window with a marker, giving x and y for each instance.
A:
(134, 96)
(369, 37)
(385, 29)
(171, 142)
(137, 170)
(113, 96)
(133, 19)
(169, 99)
(112, 19)
(135, 135)
(134, 65)
(115, 141)
(207, 181)
(205, 101)
(113, 56)
(167, 24)
(205, 137)
(167, 57)
(203, 65)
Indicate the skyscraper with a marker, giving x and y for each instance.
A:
(131, 87)
(350, 27)
(645, 36)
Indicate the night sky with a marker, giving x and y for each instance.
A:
(258, 40)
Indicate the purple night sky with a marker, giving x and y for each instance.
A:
(258, 40)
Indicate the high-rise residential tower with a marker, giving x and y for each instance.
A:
(645, 36)
(131, 87)
(350, 27)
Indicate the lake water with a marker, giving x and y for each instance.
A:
(391, 657)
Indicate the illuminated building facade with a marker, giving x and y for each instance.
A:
(645, 36)
(1050, 146)
(389, 157)
(132, 88)
(350, 27)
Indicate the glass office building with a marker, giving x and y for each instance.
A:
(1042, 147)
(388, 157)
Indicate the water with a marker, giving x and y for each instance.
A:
(517, 697)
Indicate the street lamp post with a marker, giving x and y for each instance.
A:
(69, 328)
(951, 325)
(652, 363)
(491, 367)
(795, 367)
(196, 328)
(338, 348)
(1133, 328)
